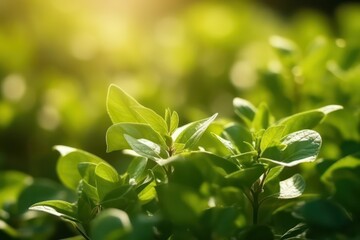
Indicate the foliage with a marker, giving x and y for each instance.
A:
(176, 188)
(195, 59)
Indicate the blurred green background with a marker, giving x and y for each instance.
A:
(58, 58)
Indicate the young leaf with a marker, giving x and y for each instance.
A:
(245, 110)
(59, 208)
(174, 122)
(67, 165)
(153, 119)
(292, 187)
(271, 137)
(191, 133)
(115, 139)
(302, 146)
(148, 193)
(120, 106)
(262, 117)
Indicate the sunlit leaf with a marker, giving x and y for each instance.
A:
(146, 148)
(153, 119)
(120, 106)
(136, 169)
(115, 139)
(245, 110)
(306, 120)
(292, 187)
(67, 165)
(302, 146)
(59, 208)
(191, 133)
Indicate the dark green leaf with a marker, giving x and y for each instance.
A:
(110, 224)
(323, 213)
(181, 204)
(245, 177)
(257, 232)
(295, 231)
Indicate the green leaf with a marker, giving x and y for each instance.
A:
(262, 117)
(42, 190)
(90, 191)
(67, 165)
(184, 208)
(245, 110)
(122, 197)
(240, 136)
(153, 119)
(148, 193)
(136, 169)
(245, 177)
(306, 120)
(174, 122)
(299, 229)
(59, 208)
(349, 162)
(302, 146)
(292, 187)
(107, 179)
(271, 137)
(87, 172)
(146, 148)
(120, 106)
(324, 214)
(227, 144)
(273, 173)
(191, 133)
(192, 168)
(110, 224)
(115, 139)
